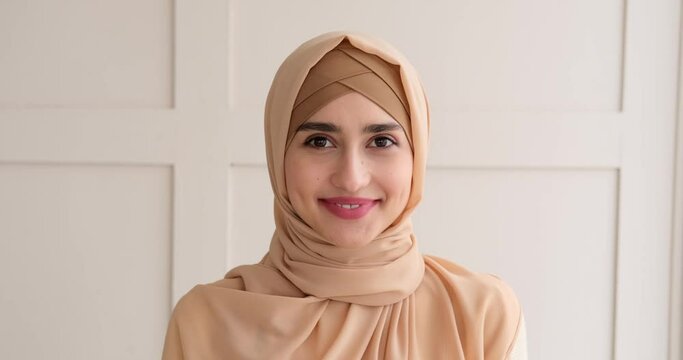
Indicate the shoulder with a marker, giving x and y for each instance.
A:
(481, 285)
(198, 301)
(480, 299)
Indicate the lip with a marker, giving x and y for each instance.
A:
(365, 205)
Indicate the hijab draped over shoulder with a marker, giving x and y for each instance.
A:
(308, 299)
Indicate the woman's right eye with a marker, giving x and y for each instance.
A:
(319, 142)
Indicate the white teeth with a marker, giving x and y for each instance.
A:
(348, 206)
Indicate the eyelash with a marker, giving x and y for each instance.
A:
(309, 141)
(392, 142)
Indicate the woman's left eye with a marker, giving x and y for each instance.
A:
(382, 142)
(319, 142)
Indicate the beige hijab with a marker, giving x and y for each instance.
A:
(308, 299)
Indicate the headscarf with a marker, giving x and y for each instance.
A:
(308, 299)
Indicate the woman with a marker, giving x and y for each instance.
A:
(347, 126)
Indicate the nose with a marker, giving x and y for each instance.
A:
(351, 172)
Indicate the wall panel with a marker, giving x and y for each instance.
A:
(110, 54)
(85, 265)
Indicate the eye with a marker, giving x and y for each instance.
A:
(319, 142)
(382, 142)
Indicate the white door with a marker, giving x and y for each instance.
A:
(132, 163)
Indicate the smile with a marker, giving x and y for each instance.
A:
(348, 208)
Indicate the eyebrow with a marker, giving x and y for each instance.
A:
(318, 126)
(327, 127)
(378, 128)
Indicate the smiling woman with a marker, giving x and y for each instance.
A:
(347, 126)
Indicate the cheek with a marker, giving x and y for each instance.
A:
(398, 178)
(302, 178)
(406, 179)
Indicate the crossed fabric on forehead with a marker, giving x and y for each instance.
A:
(346, 69)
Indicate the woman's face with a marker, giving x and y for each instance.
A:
(348, 171)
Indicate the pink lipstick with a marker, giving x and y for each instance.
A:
(349, 208)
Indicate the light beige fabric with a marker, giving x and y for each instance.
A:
(308, 299)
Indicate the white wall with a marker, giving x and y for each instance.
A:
(132, 163)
